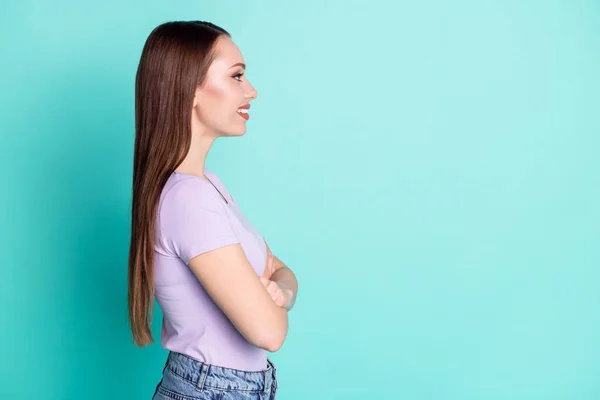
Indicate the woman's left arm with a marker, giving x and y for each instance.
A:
(286, 280)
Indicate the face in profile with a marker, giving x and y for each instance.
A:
(221, 103)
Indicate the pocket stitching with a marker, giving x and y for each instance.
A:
(173, 395)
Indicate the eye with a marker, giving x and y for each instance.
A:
(238, 76)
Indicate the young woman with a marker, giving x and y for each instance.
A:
(225, 298)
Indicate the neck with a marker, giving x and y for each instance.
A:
(195, 160)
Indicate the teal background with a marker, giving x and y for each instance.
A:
(429, 170)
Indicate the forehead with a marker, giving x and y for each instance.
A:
(227, 53)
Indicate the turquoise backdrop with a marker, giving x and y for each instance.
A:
(430, 170)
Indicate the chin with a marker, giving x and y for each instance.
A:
(234, 133)
(243, 131)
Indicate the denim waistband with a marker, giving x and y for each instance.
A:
(207, 375)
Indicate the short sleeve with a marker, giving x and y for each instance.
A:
(192, 220)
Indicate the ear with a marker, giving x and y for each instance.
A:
(197, 96)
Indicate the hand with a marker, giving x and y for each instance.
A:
(269, 267)
(281, 296)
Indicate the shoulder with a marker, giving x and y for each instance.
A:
(219, 184)
(184, 193)
(213, 177)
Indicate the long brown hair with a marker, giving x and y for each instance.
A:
(174, 62)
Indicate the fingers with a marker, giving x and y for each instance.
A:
(268, 271)
(269, 253)
(269, 285)
(281, 300)
(270, 261)
(274, 291)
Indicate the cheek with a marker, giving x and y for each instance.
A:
(213, 93)
(211, 101)
(221, 95)
(217, 105)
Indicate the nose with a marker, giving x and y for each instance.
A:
(251, 94)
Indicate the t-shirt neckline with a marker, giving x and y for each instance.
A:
(227, 202)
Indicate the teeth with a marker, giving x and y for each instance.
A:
(243, 111)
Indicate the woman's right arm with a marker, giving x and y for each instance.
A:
(229, 279)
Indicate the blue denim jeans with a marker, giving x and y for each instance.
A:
(184, 378)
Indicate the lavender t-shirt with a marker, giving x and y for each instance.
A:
(192, 219)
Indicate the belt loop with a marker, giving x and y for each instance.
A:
(274, 372)
(203, 372)
(265, 392)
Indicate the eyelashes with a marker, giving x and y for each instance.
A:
(238, 76)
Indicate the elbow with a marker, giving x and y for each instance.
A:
(273, 338)
(273, 344)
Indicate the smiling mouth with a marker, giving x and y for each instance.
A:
(243, 112)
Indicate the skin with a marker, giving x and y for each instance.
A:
(215, 105)
(280, 289)
(215, 115)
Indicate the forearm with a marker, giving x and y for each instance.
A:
(277, 332)
(285, 279)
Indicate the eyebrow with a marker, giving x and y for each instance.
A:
(238, 64)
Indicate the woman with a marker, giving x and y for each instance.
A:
(225, 298)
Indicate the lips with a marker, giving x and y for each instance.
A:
(243, 111)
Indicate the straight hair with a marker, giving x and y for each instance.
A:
(173, 63)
